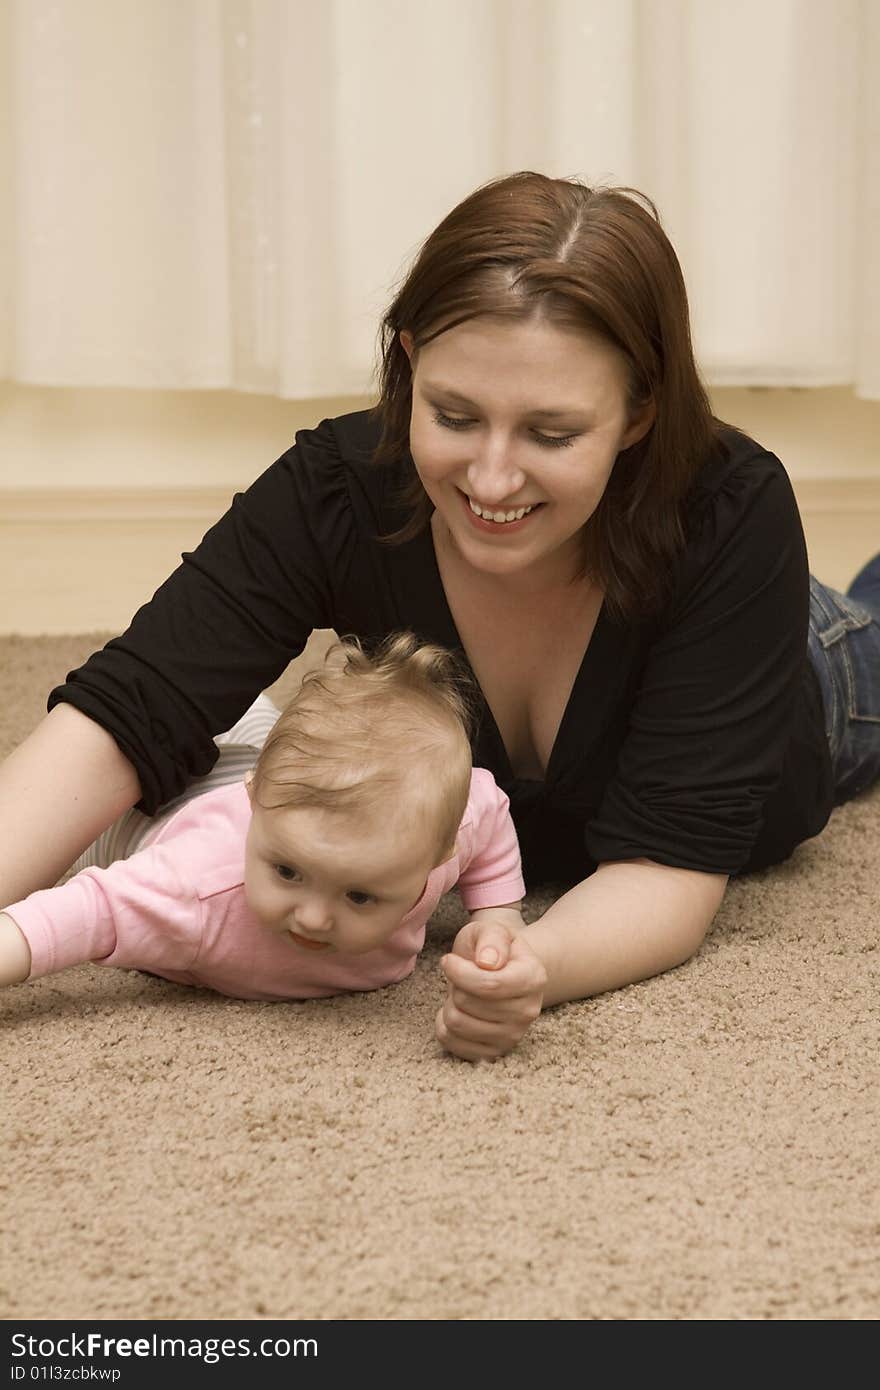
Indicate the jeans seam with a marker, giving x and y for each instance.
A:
(828, 686)
(852, 712)
(818, 598)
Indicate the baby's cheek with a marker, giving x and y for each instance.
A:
(359, 943)
(262, 902)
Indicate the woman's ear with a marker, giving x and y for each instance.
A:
(407, 343)
(639, 425)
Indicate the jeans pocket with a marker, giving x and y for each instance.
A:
(847, 635)
(845, 652)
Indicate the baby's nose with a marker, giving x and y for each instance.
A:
(313, 914)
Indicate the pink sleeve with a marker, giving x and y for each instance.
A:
(493, 874)
(139, 913)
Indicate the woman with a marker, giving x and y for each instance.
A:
(542, 486)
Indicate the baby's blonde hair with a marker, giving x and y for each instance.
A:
(368, 729)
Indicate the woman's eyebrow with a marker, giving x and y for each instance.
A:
(436, 388)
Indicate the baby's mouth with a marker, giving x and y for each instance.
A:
(308, 945)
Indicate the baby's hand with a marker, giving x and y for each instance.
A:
(496, 985)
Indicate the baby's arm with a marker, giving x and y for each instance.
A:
(488, 934)
(495, 982)
(15, 953)
(511, 913)
(139, 913)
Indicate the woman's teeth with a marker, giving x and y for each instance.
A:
(498, 516)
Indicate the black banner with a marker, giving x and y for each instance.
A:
(134, 1354)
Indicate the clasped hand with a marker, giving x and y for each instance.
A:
(495, 984)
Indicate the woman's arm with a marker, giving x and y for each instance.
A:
(629, 920)
(58, 790)
(15, 953)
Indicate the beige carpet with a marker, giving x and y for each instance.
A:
(700, 1146)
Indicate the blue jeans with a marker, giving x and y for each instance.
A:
(844, 648)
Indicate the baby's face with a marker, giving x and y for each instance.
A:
(329, 880)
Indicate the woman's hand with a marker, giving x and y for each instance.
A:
(495, 984)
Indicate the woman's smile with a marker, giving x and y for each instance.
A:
(498, 521)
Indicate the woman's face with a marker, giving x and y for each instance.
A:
(515, 429)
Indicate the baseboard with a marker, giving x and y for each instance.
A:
(84, 506)
(84, 559)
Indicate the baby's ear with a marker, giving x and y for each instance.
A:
(249, 785)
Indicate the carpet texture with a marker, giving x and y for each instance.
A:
(703, 1145)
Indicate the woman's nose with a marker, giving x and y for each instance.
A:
(493, 474)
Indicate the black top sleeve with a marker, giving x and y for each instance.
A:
(713, 711)
(226, 623)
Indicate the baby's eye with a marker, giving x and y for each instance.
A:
(360, 899)
(286, 872)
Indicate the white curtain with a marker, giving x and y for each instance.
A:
(222, 193)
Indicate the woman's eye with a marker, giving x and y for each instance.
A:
(286, 872)
(359, 899)
(551, 441)
(450, 422)
(547, 441)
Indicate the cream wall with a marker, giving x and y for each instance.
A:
(100, 490)
(64, 437)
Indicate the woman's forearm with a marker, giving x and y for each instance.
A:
(58, 791)
(15, 953)
(629, 920)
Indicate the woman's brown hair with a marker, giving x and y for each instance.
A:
(596, 259)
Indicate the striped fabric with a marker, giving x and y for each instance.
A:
(239, 749)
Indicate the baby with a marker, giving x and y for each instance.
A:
(317, 872)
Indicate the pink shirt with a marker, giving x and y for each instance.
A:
(177, 908)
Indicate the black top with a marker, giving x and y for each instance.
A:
(696, 740)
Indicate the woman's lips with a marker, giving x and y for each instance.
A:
(497, 528)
